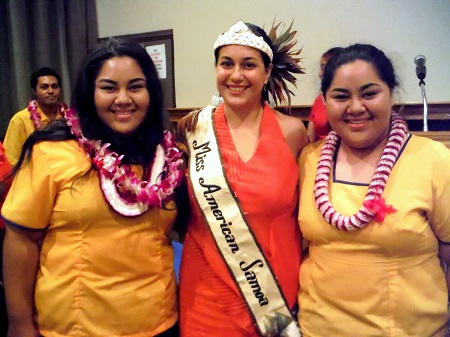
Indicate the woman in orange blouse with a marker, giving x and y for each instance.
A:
(256, 147)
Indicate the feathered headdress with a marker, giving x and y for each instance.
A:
(285, 64)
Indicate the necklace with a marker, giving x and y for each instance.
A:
(123, 190)
(374, 206)
(35, 116)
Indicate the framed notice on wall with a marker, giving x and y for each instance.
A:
(159, 46)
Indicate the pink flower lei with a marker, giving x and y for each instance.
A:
(374, 205)
(35, 116)
(123, 190)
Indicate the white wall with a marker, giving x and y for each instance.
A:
(402, 28)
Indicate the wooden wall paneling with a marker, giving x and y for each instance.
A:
(438, 118)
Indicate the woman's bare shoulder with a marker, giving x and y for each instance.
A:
(294, 132)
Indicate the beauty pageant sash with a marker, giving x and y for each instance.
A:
(235, 240)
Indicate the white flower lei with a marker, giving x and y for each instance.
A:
(122, 189)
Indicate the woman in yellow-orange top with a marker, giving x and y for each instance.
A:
(374, 209)
(87, 251)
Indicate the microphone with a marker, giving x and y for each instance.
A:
(421, 70)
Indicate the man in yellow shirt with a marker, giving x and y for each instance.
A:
(45, 106)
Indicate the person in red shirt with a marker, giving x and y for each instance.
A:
(5, 168)
(318, 126)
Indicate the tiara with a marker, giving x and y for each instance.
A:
(240, 34)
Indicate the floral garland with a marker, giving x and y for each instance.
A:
(123, 190)
(35, 116)
(374, 206)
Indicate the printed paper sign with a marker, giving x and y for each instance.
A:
(158, 55)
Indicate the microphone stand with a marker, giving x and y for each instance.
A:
(425, 105)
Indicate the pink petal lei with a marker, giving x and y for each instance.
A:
(374, 205)
(35, 116)
(123, 190)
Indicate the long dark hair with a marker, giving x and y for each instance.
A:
(139, 147)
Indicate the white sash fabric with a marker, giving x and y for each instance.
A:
(234, 238)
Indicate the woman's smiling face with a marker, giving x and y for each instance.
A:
(121, 96)
(359, 105)
(240, 75)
